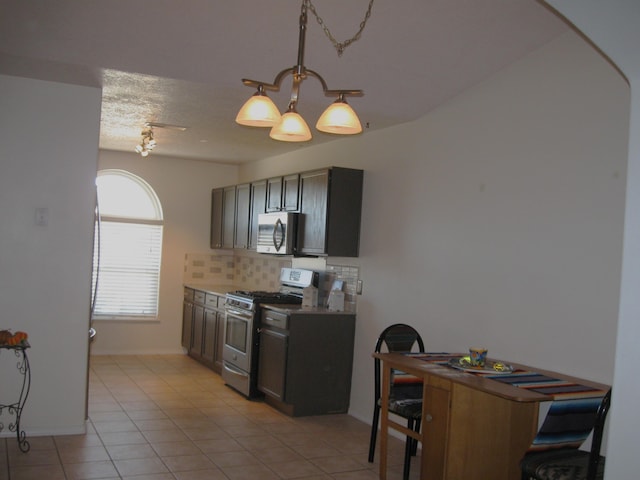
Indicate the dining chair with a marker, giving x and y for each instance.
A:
(570, 463)
(405, 399)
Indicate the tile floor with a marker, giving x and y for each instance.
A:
(169, 418)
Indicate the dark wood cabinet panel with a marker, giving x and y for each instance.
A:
(203, 327)
(242, 211)
(217, 359)
(198, 329)
(305, 367)
(228, 216)
(273, 363)
(282, 193)
(187, 323)
(312, 226)
(274, 194)
(290, 192)
(258, 206)
(209, 336)
(217, 197)
(330, 207)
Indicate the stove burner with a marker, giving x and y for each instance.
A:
(256, 293)
(265, 297)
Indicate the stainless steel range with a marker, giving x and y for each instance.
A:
(242, 325)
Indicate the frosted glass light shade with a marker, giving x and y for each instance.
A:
(258, 111)
(292, 128)
(339, 118)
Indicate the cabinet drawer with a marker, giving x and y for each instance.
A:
(188, 294)
(198, 297)
(211, 300)
(275, 319)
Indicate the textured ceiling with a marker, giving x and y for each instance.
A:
(181, 62)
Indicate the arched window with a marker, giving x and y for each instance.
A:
(128, 249)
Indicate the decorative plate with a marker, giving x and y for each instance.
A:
(463, 363)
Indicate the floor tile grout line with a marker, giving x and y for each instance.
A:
(136, 376)
(245, 450)
(113, 461)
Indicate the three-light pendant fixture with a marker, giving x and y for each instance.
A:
(339, 118)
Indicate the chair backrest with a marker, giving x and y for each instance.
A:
(596, 441)
(398, 337)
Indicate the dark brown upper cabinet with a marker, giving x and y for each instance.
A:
(258, 206)
(330, 208)
(282, 193)
(228, 216)
(242, 211)
(216, 217)
(329, 201)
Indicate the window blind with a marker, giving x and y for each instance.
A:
(128, 272)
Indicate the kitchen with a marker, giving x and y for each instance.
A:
(476, 212)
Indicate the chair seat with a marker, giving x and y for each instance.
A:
(407, 407)
(562, 464)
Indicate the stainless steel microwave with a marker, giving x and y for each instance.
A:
(277, 233)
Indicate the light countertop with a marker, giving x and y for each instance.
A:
(293, 308)
(216, 289)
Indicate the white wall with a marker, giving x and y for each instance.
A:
(496, 219)
(613, 26)
(48, 157)
(184, 189)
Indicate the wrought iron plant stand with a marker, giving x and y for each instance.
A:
(15, 409)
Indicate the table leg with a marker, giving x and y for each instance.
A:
(384, 419)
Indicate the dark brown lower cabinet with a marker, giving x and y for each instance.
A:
(203, 327)
(305, 361)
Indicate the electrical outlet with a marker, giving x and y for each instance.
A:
(359, 287)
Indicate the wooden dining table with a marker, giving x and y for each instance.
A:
(474, 426)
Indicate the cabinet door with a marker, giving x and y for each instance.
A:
(198, 330)
(290, 192)
(312, 224)
(243, 204)
(273, 363)
(217, 360)
(187, 324)
(274, 194)
(210, 332)
(216, 217)
(228, 216)
(436, 432)
(258, 206)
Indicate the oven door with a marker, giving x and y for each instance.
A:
(238, 334)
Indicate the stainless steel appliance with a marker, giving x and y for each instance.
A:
(277, 233)
(242, 324)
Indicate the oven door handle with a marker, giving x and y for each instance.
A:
(238, 313)
(240, 373)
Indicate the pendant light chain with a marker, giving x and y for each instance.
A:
(339, 46)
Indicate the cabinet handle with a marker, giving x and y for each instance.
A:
(428, 418)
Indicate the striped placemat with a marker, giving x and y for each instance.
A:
(556, 388)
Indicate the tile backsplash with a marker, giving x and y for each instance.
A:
(210, 269)
(251, 271)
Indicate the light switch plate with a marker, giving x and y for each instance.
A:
(42, 216)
